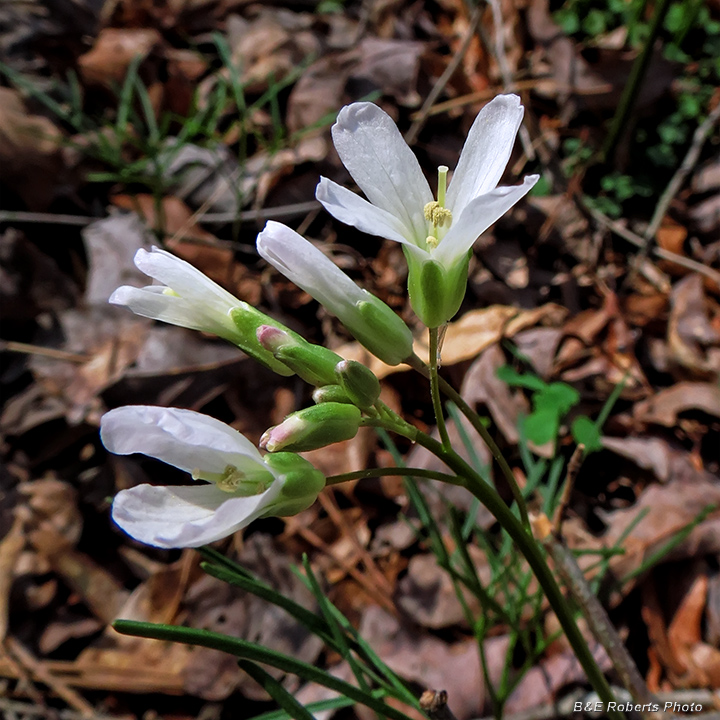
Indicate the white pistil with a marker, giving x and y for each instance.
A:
(435, 212)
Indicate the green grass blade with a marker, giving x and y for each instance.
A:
(275, 690)
(250, 651)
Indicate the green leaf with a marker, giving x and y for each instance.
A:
(542, 426)
(256, 653)
(527, 380)
(275, 690)
(585, 431)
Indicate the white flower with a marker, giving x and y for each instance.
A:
(241, 485)
(186, 296)
(190, 299)
(401, 206)
(369, 319)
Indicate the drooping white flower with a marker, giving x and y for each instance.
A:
(241, 485)
(386, 170)
(369, 319)
(188, 298)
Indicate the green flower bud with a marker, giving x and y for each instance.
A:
(330, 393)
(313, 363)
(313, 428)
(301, 484)
(360, 383)
(436, 292)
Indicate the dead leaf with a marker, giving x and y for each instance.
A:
(664, 407)
(466, 337)
(114, 49)
(30, 152)
(693, 341)
(10, 548)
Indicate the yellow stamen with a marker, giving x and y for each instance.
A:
(437, 215)
(431, 242)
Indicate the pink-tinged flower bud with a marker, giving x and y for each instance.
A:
(313, 363)
(313, 428)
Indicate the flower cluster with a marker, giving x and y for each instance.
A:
(239, 483)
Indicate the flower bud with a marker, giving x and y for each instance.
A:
(313, 428)
(330, 393)
(367, 318)
(436, 292)
(301, 483)
(313, 363)
(359, 383)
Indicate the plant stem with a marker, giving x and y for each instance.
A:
(527, 545)
(379, 472)
(417, 364)
(435, 389)
(632, 88)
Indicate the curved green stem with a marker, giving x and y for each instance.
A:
(417, 364)
(435, 389)
(528, 547)
(378, 472)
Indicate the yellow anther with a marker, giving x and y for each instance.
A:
(431, 242)
(438, 215)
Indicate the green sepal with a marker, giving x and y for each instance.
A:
(436, 292)
(383, 331)
(301, 483)
(330, 393)
(359, 383)
(315, 364)
(247, 320)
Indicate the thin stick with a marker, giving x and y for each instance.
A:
(507, 77)
(424, 112)
(688, 163)
(39, 672)
(573, 469)
(54, 353)
(597, 619)
(621, 231)
(632, 88)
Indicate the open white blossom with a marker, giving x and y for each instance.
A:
(241, 485)
(401, 206)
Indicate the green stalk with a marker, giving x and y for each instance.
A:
(527, 546)
(417, 364)
(435, 389)
(398, 471)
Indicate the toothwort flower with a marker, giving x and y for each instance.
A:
(190, 299)
(369, 319)
(436, 232)
(241, 485)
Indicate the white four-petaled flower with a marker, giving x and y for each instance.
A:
(386, 170)
(241, 485)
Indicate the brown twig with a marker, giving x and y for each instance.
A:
(434, 704)
(36, 668)
(424, 112)
(54, 353)
(597, 619)
(620, 230)
(573, 469)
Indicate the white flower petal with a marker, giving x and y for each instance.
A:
(300, 261)
(381, 163)
(153, 302)
(350, 208)
(477, 217)
(183, 438)
(184, 279)
(172, 517)
(486, 152)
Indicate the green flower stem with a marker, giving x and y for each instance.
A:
(526, 544)
(435, 388)
(404, 471)
(417, 364)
